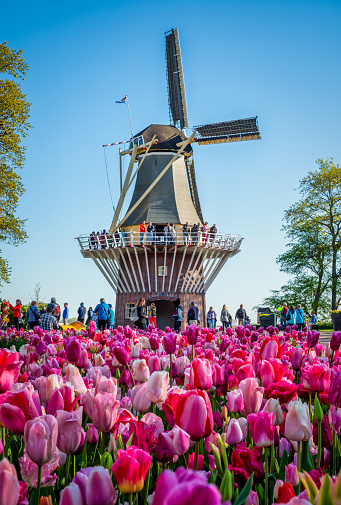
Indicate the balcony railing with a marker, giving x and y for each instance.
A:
(132, 238)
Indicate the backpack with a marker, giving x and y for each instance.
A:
(288, 316)
(133, 314)
(240, 313)
(56, 311)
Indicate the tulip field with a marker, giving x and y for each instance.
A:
(202, 417)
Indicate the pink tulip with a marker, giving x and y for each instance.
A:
(61, 399)
(154, 364)
(252, 395)
(270, 348)
(74, 377)
(234, 434)
(200, 374)
(194, 414)
(291, 474)
(73, 349)
(130, 469)
(92, 435)
(138, 398)
(69, 430)
(107, 385)
(99, 488)
(191, 458)
(235, 400)
(104, 411)
(83, 359)
(122, 354)
(40, 437)
(218, 378)
(46, 386)
(273, 406)
(71, 495)
(297, 422)
(261, 428)
(20, 406)
(316, 377)
(177, 440)
(181, 363)
(29, 470)
(157, 385)
(141, 370)
(9, 369)
(284, 445)
(296, 359)
(9, 484)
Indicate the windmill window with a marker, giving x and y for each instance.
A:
(162, 271)
(128, 308)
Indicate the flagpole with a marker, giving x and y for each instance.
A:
(131, 126)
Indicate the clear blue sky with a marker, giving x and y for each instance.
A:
(277, 60)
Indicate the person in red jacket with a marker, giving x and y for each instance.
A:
(16, 313)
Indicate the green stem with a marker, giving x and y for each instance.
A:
(310, 411)
(67, 470)
(3, 436)
(299, 461)
(102, 443)
(196, 455)
(131, 375)
(146, 485)
(154, 408)
(319, 444)
(334, 452)
(74, 465)
(192, 352)
(272, 458)
(39, 484)
(130, 498)
(170, 370)
(266, 470)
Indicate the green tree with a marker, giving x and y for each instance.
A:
(14, 125)
(308, 257)
(320, 208)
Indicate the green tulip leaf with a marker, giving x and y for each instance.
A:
(244, 492)
(307, 463)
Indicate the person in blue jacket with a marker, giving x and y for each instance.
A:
(65, 313)
(81, 313)
(102, 310)
(299, 317)
(313, 320)
(111, 317)
(291, 316)
(32, 315)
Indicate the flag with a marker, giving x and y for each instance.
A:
(123, 100)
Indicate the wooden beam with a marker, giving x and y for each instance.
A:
(188, 141)
(144, 157)
(113, 226)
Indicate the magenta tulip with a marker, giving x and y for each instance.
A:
(234, 434)
(69, 430)
(9, 369)
(200, 376)
(235, 400)
(261, 428)
(73, 349)
(130, 469)
(99, 488)
(169, 343)
(9, 484)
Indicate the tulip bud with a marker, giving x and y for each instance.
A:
(226, 487)
(291, 474)
(223, 413)
(217, 458)
(318, 412)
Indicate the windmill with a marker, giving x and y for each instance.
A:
(167, 268)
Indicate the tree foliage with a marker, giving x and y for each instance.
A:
(14, 126)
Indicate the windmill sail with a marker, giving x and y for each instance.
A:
(228, 131)
(175, 81)
(192, 182)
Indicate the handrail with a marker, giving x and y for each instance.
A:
(98, 241)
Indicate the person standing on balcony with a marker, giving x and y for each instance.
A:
(166, 229)
(204, 229)
(142, 232)
(213, 234)
(194, 234)
(150, 232)
(172, 234)
(185, 232)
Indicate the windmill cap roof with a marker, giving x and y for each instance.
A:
(168, 137)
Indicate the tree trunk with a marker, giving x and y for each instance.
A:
(334, 279)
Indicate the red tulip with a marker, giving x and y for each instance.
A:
(41, 438)
(130, 469)
(244, 462)
(200, 374)
(9, 369)
(283, 391)
(261, 428)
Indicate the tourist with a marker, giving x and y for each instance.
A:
(81, 313)
(284, 315)
(32, 315)
(16, 313)
(141, 323)
(152, 314)
(179, 319)
(124, 237)
(65, 313)
(55, 308)
(150, 232)
(299, 317)
(193, 314)
(290, 317)
(93, 241)
(204, 229)
(211, 318)
(142, 232)
(102, 312)
(172, 234)
(313, 320)
(48, 322)
(241, 315)
(194, 234)
(185, 232)
(224, 317)
(213, 234)
(42, 310)
(166, 230)
(111, 317)
(89, 315)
